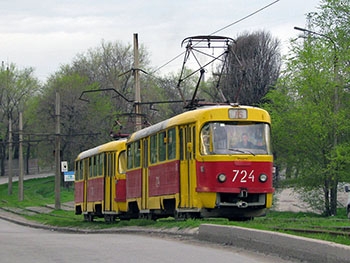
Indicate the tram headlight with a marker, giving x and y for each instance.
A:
(263, 178)
(221, 178)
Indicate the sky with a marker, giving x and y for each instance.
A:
(46, 34)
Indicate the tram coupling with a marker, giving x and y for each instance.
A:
(242, 204)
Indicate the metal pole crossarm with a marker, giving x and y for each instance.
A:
(99, 90)
(316, 33)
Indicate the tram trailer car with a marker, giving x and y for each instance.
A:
(100, 181)
(215, 161)
(210, 162)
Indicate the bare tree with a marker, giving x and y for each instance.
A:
(16, 88)
(253, 66)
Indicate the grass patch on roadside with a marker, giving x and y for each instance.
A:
(36, 192)
(41, 192)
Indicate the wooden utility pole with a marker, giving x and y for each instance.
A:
(10, 158)
(57, 154)
(138, 125)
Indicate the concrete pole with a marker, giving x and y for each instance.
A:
(10, 158)
(138, 125)
(57, 154)
(21, 168)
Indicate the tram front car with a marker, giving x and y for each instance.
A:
(235, 163)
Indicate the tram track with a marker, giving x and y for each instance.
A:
(338, 231)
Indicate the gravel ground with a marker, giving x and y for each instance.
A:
(288, 200)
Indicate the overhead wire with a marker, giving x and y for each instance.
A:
(217, 31)
(244, 18)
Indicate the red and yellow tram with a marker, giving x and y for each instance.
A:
(195, 165)
(215, 161)
(100, 181)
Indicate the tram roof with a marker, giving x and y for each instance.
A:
(109, 146)
(184, 118)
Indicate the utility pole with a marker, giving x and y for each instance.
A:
(21, 168)
(137, 84)
(10, 158)
(57, 153)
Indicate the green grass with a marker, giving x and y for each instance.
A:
(37, 192)
(40, 192)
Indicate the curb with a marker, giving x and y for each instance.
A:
(284, 245)
(176, 232)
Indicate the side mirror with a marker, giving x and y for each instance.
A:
(346, 188)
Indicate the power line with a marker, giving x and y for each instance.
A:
(223, 28)
(244, 18)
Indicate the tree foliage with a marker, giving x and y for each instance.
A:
(97, 99)
(81, 122)
(310, 104)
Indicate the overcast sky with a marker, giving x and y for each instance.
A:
(45, 34)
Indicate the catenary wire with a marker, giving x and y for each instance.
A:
(217, 31)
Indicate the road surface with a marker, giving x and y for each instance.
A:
(29, 245)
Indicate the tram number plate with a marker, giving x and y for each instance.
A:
(243, 176)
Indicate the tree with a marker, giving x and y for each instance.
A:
(82, 123)
(102, 79)
(252, 69)
(313, 121)
(17, 86)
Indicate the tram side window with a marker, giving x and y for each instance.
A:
(96, 162)
(171, 144)
(205, 140)
(137, 156)
(81, 170)
(130, 160)
(77, 171)
(91, 166)
(134, 158)
(122, 162)
(153, 148)
(100, 164)
(162, 146)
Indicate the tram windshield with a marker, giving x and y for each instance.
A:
(235, 138)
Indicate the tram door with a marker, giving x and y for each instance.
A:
(144, 164)
(85, 177)
(187, 165)
(108, 175)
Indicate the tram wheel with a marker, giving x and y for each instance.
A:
(179, 216)
(88, 217)
(148, 216)
(109, 218)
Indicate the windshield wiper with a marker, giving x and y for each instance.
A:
(240, 151)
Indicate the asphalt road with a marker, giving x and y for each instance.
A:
(25, 244)
(220, 243)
